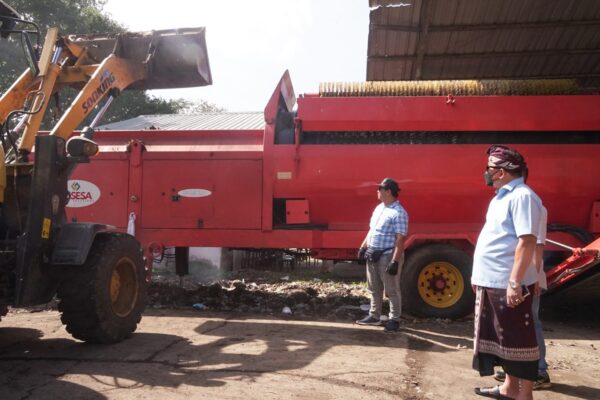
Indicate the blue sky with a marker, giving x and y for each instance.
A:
(252, 42)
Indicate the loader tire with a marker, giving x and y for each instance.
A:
(436, 282)
(102, 301)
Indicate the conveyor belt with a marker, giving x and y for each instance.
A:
(450, 137)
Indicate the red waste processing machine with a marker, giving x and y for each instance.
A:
(308, 180)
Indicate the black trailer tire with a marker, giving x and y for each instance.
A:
(436, 282)
(102, 301)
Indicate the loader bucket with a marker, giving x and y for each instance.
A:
(176, 58)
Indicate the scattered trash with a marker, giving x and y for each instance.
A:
(286, 311)
(239, 284)
(285, 278)
(365, 307)
(262, 292)
(461, 346)
(349, 311)
(200, 306)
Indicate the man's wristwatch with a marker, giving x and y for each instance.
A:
(514, 284)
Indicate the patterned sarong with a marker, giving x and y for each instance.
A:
(504, 336)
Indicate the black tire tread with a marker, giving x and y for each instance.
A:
(83, 293)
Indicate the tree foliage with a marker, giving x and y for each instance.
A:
(80, 17)
(70, 16)
(200, 106)
(133, 103)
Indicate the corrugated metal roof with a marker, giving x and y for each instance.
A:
(475, 39)
(191, 122)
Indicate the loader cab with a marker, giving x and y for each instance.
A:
(7, 19)
(12, 22)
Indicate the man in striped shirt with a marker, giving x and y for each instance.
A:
(383, 249)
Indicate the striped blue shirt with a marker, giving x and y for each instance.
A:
(386, 222)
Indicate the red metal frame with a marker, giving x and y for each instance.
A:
(433, 113)
(582, 260)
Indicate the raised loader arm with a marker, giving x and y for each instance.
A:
(101, 65)
(14, 98)
(114, 73)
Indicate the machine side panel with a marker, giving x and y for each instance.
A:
(441, 184)
(202, 194)
(99, 192)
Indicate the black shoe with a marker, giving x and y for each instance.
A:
(369, 320)
(392, 326)
(542, 382)
(500, 376)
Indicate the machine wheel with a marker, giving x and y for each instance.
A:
(102, 301)
(436, 282)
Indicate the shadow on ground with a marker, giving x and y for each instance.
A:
(223, 347)
(220, 349)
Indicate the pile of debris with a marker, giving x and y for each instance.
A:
(272, 294)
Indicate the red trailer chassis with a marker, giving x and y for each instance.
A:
(308, 179)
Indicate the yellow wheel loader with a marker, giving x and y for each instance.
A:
(98, 274)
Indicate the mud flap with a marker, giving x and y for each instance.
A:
(73, 243)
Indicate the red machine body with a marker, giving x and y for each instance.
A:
(311, 182)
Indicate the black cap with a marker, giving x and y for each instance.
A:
(391, 185)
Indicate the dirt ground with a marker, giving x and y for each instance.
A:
(181, 353)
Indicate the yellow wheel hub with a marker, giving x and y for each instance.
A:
(123, 287)
(441, 284)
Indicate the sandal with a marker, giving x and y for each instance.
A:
(493, 392)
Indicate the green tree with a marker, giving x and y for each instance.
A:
(70, 16)
(200, 106)
(78, 17)
(134, 102)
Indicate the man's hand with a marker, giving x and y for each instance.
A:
(514, 297)
(392, 268)
(361, 253)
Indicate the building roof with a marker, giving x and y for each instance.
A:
(491, 39)
(194, 122)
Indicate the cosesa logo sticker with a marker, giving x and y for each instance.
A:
(82, 193)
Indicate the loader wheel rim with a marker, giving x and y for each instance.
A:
(123, 287)
(441, 285)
